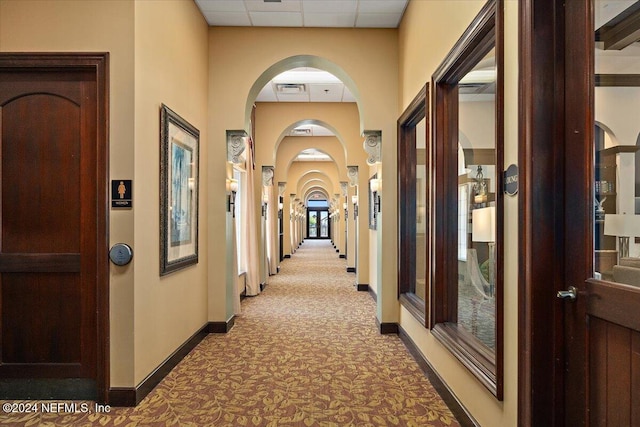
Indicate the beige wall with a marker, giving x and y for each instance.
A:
(149, 317)
(427, 33)
(171, 67)
(94, 26)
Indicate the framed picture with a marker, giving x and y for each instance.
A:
(373, 216)
(179, 170)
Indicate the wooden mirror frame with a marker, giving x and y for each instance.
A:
(414, 114)
(484, 33)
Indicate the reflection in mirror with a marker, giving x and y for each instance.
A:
(421, 209)
(468, 145)
(616, 197)
(476, 201)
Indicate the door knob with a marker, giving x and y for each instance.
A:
(570, 294)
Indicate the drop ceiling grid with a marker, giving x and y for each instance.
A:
(304, 13)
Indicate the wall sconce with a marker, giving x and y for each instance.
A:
(232, 187)
(265, 203)
(480, 188)
(376, 185)
(354, 200)
(346, 212)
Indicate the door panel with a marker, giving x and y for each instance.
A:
(52, 175)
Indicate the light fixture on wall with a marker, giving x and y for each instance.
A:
(346, 212)
(480, 188)
(376, 186)
(265, 203)
(623, 226)
(354, 200)
(232, 187)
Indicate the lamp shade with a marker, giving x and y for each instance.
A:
(484, 224)
(622, 225)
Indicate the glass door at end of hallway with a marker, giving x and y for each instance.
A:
(318, 224)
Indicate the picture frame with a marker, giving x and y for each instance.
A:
(179, 186)
(373, 216)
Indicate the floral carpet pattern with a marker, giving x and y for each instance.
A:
(305, 352)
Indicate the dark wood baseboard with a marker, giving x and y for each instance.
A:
(362, 287)
(351, 269)
(387, 328)
(343, 256)
(373, 294)
(262, 286)
(221, 327)
(337, 250)
(122, 396)
(287, 256)
(450, 399)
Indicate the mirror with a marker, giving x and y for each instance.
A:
(467, 162)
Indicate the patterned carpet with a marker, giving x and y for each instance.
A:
(306, 352)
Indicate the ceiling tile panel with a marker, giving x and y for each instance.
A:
(283, 19)
(326, 92)
(289, 97)
(221, 5)
(333, 6)
(378, 20)
(329, 19)
(282, 6)
(382, 6)
(228, 19)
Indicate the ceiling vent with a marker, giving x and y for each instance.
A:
(290, 88)
(301, 132)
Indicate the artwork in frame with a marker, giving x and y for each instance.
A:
(373, 216)
(179, 171)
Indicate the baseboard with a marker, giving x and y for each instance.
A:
(287, 256)
(362, 287)
(351, 269)
(121, 396)
(457, 409)
(343, 256)
(221, 327)
(373, 294)
(387, 328)
(263, 286)
(338, 251)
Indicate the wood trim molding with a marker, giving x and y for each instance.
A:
(362, 287)
(122, 396)
(351, 269)
(387, 328)
(485, 33)
(448, 396)
(221, 327)
(617, 80)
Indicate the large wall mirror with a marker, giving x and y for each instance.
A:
(467, 172)
(413, 215)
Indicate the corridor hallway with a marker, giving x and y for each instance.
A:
(305, 352)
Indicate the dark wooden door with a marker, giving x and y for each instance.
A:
(52, 235)
(579, 359)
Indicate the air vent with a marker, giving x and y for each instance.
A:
(290, 88)
(301, 131)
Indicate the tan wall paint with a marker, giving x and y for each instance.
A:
(434, 27)
(149, 318)
(94, 26)
(171, 67)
